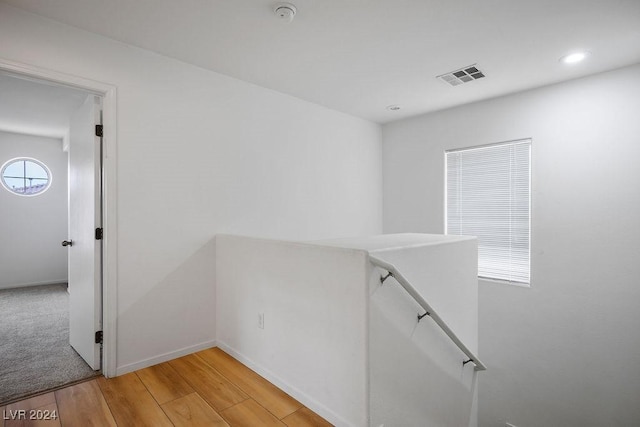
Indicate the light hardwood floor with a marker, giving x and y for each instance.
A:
(208, 388)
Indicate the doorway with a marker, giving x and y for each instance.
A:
(90, 92)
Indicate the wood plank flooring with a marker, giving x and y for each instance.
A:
(208, 388)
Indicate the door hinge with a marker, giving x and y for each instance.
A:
(99, 130)
(98, 337)
(98, 233)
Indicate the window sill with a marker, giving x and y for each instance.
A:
(504, 282)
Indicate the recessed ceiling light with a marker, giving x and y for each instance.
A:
(393, 107)
(575, 57)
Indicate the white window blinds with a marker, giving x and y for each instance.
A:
(488, 196)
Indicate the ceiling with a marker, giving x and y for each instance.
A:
(36, 107)
(360, 56)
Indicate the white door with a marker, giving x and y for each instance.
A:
(85, 251)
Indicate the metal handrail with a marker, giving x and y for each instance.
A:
(393, 272)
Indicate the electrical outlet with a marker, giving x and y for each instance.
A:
(261, 320)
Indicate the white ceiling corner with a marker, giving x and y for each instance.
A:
(359, 56)
(36, 107)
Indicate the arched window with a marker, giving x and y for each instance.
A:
(25, 176)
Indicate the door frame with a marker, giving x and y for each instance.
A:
(109, 196)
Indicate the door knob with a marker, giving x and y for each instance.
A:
(67, 243)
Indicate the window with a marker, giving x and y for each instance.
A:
(488, 196)
(25, 176)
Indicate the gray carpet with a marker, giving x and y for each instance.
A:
(35, 354)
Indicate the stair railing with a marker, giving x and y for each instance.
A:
(393, 272)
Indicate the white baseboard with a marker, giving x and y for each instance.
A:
(301, 397)
(125, 369)
(24, 285)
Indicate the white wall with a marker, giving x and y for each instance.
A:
(32, 228)
(345, 346)
(416, 373)
(199, 154)
(315, 305)
(565, 351)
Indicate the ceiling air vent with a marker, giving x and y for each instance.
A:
(463, 75)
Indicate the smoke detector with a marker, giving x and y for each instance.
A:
(463, 75)
(285, 11)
